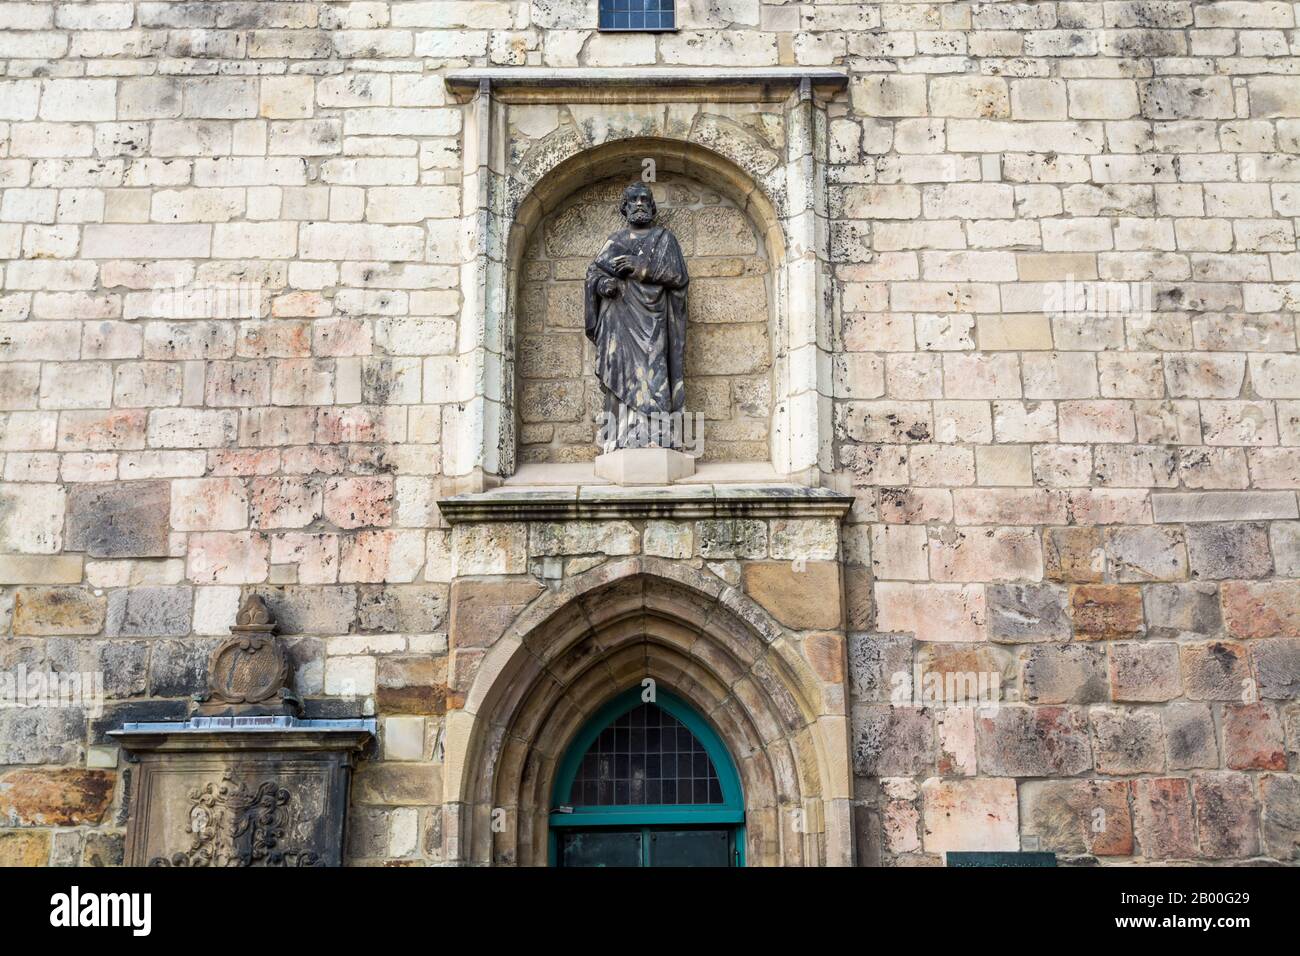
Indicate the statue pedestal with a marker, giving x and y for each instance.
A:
(644, 466)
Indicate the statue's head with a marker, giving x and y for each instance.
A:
(638, 205)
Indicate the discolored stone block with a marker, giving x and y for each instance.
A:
(412, 609)
(1073, 555)
(119, 519)
(40, 734)
(397, 784)
(878, 665)
(149, 612)
(1078, 816)
(310, 610)
(1144, 672)
(859, 603)
(58, 610)
(482, 610)
(802, 596)
(1064, 674)
(971, 815)
(179, 668)
(1022, 613)
(412, 685)
(1148, 553)
(1277, 664)
(1221, 551)
(1024, 741)
(1261, 609)
(1182, 610)
(1279, 796)
(1128, 740)
(1216, 670)
(1227, 815)
(891, 741)
(1103, 612)
(24, 847)
(63, 798)
(1190, 742)
(1162, 818)
(1252, 738)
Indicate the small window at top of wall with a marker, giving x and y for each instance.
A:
(638, 15)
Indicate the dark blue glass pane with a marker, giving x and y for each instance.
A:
(637, 14)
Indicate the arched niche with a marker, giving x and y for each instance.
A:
(730, 359)
(532, 140)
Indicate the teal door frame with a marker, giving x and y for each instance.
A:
(730, 812)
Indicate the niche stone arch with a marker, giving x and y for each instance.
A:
(532, 137)
(578, 645)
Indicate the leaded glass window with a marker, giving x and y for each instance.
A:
(638, 15)
(645, 757)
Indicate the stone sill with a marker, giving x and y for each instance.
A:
(682, 502)
(621, 84)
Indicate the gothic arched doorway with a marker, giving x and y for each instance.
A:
(647, 782)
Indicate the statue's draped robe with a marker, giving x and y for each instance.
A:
(640, 337)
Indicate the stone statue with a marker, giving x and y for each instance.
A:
(635, 313)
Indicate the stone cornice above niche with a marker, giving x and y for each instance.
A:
(764, 84)
(681, 502)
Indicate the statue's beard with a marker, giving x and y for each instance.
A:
(640, 218)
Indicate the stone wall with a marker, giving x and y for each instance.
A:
(729, 352)
(1066, 395)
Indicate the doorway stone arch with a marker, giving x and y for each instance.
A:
(531, 138)
(579, 644)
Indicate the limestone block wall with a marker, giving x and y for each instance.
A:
(729, 351)
(1066, 394)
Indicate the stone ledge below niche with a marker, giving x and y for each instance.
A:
(680, 501)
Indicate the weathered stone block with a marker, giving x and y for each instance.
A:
(1280, 799)
(1227, 815)
(482, 610)
(1022, 613)
(1064, 674)
(1145, 554)
(36, 734)
(311, 610)
(58, 610)
(1190, 741)
(119, 519)
(179, 668)
(412, 685)
(1023, 741)
(149, 612)
(1128, 740)
(63, 798)
(974, 814)
(1162, 818)
(1261, 609)
(891, 741)
(24, 847)
(1216, 670)
(1252, 738)
(1073, 555)
(800, 595)
(1221, 551)
(1103, 612)
(879, 664)
(1182, 610)
(1144, 672)
(1277, 664)
(1078, 816)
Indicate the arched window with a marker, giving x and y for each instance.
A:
(647, 783)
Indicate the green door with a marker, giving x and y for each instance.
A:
(647, 783)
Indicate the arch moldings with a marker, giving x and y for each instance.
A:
(602, 632)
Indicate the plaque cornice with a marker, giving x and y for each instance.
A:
(603, 502)
(641, 84)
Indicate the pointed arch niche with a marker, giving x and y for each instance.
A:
(534, 137)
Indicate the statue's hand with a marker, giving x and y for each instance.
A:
(623, 265)
(607, 287)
